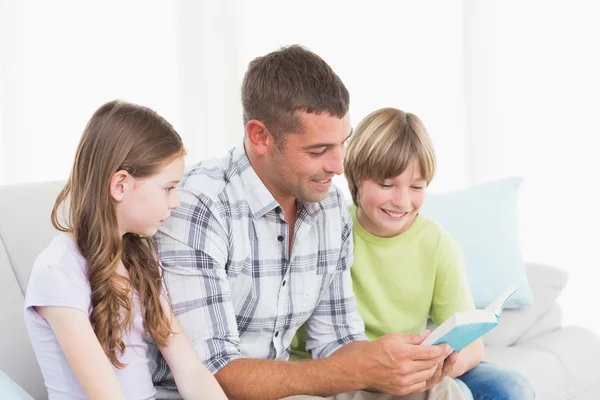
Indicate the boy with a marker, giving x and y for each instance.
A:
(406, 267)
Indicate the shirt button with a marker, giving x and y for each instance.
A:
(276, 333)
(280, 238)
(283, 284)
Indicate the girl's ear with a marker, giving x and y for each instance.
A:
(119, 184)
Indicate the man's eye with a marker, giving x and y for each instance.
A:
(320, 153)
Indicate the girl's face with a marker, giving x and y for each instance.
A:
(145, 203)
(389, 208)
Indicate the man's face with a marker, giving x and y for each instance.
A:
(306, 163)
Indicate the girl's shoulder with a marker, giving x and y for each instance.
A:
(59, 271)
(63, 254)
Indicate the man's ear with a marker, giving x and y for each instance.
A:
(259, 137)
(119, 184)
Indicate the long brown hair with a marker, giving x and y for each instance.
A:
(118, 136)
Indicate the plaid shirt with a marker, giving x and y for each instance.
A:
(233, 287)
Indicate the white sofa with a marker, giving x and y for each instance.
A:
(560, 362)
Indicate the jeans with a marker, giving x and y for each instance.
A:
(492, 382)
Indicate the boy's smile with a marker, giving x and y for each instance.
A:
(389, 208)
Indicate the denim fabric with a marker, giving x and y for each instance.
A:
(492, 382)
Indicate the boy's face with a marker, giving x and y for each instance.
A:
(389, 208)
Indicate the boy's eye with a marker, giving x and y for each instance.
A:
(170, 188)
(385, 185)
(417, 187)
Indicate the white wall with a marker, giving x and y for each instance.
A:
(389, 53)
(504, 88)
(186, 59)
(63, 59)
(534, 97)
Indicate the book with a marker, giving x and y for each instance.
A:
(463, 328)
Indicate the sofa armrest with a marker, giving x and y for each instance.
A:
(549, 322)
(546, 284)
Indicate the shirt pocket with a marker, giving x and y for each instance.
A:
(309, 286)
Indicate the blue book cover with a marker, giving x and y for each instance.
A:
(463, 328)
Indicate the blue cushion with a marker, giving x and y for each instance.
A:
(10, 390)
(483, 221)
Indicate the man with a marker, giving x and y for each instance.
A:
(262, 244)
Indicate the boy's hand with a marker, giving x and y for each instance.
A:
(396, 364)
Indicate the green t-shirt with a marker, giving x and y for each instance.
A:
(400, 281)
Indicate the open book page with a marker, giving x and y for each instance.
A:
(463, 328)
(497, 305)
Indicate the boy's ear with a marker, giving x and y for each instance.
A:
(119, 184)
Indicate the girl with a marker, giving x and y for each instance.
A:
(95, 293)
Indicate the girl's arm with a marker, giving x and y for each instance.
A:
(84, 353)
(193, 380)
(468, 358)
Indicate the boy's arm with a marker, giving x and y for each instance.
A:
(452, 294)
(468, 358)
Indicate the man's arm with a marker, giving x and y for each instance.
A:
(394, 364)
(193, 380)
(192, 248)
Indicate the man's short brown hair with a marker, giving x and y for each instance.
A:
(384, 144)
(291, 79)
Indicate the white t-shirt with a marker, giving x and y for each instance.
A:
(59, 278)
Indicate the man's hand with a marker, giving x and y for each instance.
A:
(396, 364)
(444, 369)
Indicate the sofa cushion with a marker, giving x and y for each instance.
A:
(578, 351)
(546, 283)
(28, 232)
(16, 354)
(483, 220)
(542, 369)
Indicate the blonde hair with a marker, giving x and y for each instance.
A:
(384, 144)
(118, 136)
